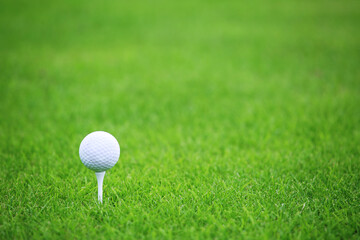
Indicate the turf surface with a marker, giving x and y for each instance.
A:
(235, 119)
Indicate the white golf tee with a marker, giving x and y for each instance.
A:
(100, 180)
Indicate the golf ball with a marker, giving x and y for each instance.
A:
(99, 151)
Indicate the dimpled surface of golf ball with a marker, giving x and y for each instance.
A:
(99, 151)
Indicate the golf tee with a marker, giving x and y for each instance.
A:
(100, 180)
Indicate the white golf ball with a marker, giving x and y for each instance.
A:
(99, 151)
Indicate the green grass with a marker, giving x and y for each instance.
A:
(235, 119)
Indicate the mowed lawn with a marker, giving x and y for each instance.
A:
(236, 119)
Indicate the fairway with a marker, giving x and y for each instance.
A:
(235, 119)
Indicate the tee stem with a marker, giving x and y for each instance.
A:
(100, 180)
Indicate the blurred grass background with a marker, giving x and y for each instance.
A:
(236, 119)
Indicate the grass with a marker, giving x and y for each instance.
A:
(235, 119)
